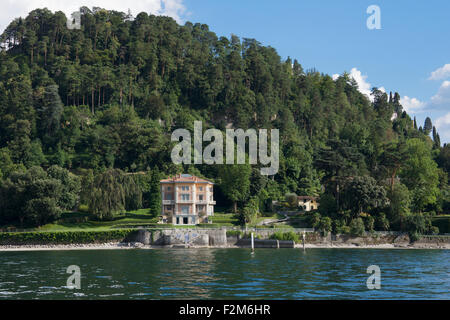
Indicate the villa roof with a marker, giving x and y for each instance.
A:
(306, 198)
(185, 178)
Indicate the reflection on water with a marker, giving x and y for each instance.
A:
(226, 274)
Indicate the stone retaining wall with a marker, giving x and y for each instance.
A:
(218, 237)
(165, 237)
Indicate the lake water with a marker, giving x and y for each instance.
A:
(226, 274)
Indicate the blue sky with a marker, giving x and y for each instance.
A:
(331, 36)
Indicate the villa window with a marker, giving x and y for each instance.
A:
(184, 188)
(168, 196)
(184, 197)
(200, 188)
(200, 197)
(185, 209)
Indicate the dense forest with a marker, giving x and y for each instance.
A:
(86, 118)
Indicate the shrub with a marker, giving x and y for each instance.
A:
(381, 222)
(314, 219)
(369, 222)
(63, 237)
(345, 230)
(292, 200)
(285, 236)
(357, 227)
(325, 224)
(250, 211)
(234, 233)
(213, 225)
(83, 208)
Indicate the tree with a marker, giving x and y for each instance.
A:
(393, 158)
(419, 173)
(357, 227)
(314, 219)
(328, 205)
(363, 193)
(133, 192)
(70, 187)
(400, 203)
(107, 195)
(443, 159)
(30, 197)
(339, 161)
(292, 200)
(436, 138)
(50, 111)
(428, 126)
(250, 211)
(235, 182)
(155, 193)
(325, 224)
(381, 222)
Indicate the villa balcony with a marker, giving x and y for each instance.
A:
(185, 201)
(168, 201)
(205, 202)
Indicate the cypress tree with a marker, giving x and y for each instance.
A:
(428, 126)
(155, 193)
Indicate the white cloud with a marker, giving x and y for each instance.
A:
(443, 95)
(412, 105)
(440, 73)
(12, 9)
(443, 126)
(443, 122)
(363, 85)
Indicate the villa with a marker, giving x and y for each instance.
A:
(186, 200)
(308, 203)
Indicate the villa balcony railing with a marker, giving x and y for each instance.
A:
(205, 202)
(185, 201)
(189, 201)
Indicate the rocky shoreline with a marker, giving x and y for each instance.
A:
(138, 245)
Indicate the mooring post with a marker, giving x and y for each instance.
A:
(253, 244)
(303, 236)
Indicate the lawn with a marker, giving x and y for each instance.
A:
(225, 219)
(82, 221)
(76, 221)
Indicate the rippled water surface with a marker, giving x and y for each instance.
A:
(226, 274)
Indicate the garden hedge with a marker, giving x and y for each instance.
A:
(63, 237)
